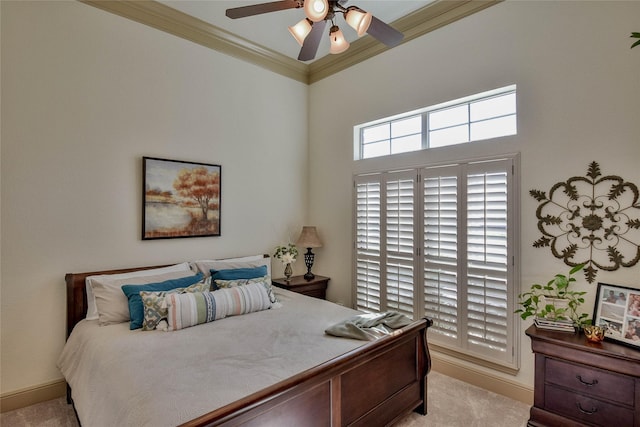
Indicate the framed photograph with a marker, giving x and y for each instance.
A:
(618, 309)
(180, 199)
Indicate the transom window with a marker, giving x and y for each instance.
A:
(478, 117)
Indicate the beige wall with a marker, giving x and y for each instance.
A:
(578, 101)
(86, 94)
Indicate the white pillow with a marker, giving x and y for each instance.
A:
(111, 279)
(205, 266)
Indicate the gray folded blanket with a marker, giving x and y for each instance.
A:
(368, 327)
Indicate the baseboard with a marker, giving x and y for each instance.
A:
(482, 379)
(31, 396)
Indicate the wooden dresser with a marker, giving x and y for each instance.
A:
(578, 383)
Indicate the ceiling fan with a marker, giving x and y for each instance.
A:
(308, 32)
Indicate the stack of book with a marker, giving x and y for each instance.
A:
(554, 325)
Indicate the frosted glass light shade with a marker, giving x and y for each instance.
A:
(359, 20)
(301, 30)
(316, 10)
(338, 43)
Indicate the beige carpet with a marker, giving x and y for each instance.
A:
(451, 403)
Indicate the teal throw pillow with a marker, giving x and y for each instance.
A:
(237, 273)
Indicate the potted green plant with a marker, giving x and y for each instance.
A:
(554, 301)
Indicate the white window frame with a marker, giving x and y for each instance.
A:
(426, 126)
(507, 361)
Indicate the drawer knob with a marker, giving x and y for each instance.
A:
(585, 411)
(587, 383)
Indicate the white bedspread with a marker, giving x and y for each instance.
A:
(120, 377)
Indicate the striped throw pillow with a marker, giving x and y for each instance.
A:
(265, 280)
(192, 309)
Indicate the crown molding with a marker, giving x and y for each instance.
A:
(172, 21)
(157, 15)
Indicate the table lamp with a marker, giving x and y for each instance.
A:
(309, 239)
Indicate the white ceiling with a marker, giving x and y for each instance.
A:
(270, 30)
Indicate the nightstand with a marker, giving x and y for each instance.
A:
(316, 287)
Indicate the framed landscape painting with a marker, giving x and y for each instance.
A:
(618, 310)
(180, 199)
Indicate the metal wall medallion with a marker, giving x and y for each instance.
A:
(592, 220)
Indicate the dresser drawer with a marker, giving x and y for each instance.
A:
(591, 381)
(586, 409)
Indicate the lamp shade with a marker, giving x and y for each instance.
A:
(316, 10)
(359, 20)
(309, 238)
(338, 43)
(301, 30)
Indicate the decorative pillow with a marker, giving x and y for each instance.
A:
(192, 309)
(264, 281)
(132, 292)
(155, 307)
(205, 266)
(110, 304)
(239, 273)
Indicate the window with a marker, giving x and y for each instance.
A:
(438, 242)
(482, 116)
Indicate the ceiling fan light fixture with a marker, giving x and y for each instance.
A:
(316, 10)
(358, 19)
(310, 32)
(301, 30)
(338, 43)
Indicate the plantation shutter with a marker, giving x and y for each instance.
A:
(461, 218)
(488, 308)
(368, 240)
(385, 242)
(399, 239)
(440, 228)
(466, 257)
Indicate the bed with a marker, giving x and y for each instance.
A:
(248, 370)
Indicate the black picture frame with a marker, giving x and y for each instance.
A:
(180, 199)
(618, 309)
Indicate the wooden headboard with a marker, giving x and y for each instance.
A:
(77, 291)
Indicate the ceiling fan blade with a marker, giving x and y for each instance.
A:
(384, 33)
(257, 9)
(311, 43)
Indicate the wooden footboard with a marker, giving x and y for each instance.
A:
(374, 385)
